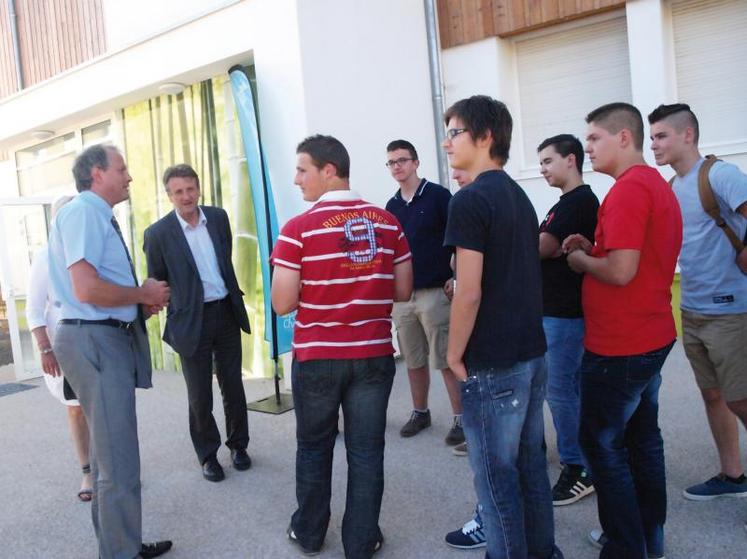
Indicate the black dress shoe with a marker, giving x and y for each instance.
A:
(148, 550)
(240, 459)
(212, 471)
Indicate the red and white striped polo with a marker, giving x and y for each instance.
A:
(346, 250)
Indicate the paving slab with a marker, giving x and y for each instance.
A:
(428, 490)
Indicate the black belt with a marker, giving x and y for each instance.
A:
(113, 322)
(215, 302)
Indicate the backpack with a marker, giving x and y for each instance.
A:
(710, 206)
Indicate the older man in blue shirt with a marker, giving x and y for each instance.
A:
(101, 343)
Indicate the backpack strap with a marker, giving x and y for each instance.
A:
(710, 205)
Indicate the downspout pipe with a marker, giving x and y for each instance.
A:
(437, 96)
(16, 46)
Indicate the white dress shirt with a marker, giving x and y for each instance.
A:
(203, 251)
(42, 311)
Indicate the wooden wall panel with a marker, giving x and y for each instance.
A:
(8, 84)
(466, 21)
(53, 36)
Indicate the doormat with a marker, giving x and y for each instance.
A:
(13, 387)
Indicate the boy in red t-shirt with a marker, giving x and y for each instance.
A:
(629, 333)
(341, 264)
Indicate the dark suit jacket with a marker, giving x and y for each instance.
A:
(170, 259)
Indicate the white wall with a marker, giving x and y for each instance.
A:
(356, 69)
(264, 31)
(366, 81)
(132, 21)
(8, 187)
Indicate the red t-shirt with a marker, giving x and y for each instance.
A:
(346, 250)
(640, 212)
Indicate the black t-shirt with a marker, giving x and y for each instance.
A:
(575, 212)
(494, 216)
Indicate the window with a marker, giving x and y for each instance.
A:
(44, 169)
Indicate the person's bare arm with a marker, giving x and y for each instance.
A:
(619, 267)
(89, 288)
(286, 289)
(403, 281)
(464, 307)
(549, 246)
(742, 256)
(48, 358)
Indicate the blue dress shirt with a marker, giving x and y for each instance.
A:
(82, 230)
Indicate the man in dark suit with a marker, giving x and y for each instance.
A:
(191, 249)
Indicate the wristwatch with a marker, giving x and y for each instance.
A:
(45, 350)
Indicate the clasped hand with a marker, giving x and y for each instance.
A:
(156, 295)
(576, 246)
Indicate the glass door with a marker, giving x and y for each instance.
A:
(24, 226)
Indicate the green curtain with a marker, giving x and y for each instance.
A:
(197, 127)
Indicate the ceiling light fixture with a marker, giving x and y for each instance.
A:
(171, 88)
(42, 134)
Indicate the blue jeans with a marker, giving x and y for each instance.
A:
(362, 388)
(565, 347)
(622, 442)
(504, 428)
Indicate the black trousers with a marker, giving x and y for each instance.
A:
(220, 338)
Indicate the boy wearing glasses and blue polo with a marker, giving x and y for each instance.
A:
(423, 322)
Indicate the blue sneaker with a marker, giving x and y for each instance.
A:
(470, 536)
(717, 486)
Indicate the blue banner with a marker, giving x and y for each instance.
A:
(278, 329)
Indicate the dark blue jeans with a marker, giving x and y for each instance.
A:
(622, 442)
(504, 427)
(565, 347)
(362, 388)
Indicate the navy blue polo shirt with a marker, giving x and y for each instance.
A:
(423, 220)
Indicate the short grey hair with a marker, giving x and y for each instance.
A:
(94, 156)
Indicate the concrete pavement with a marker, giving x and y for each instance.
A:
(428, 490)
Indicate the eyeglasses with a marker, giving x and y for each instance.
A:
(401, 161)
(454, 132)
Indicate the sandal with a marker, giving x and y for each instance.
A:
(85, 495)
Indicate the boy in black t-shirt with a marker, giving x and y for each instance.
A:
(496, 343)
(561, 160)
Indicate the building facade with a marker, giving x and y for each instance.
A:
(151, 77)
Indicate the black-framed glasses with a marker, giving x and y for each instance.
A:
(401, 161)
(452, 133)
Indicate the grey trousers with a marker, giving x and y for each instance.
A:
(99, 364)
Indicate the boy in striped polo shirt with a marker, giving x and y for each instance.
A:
(342, 264)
